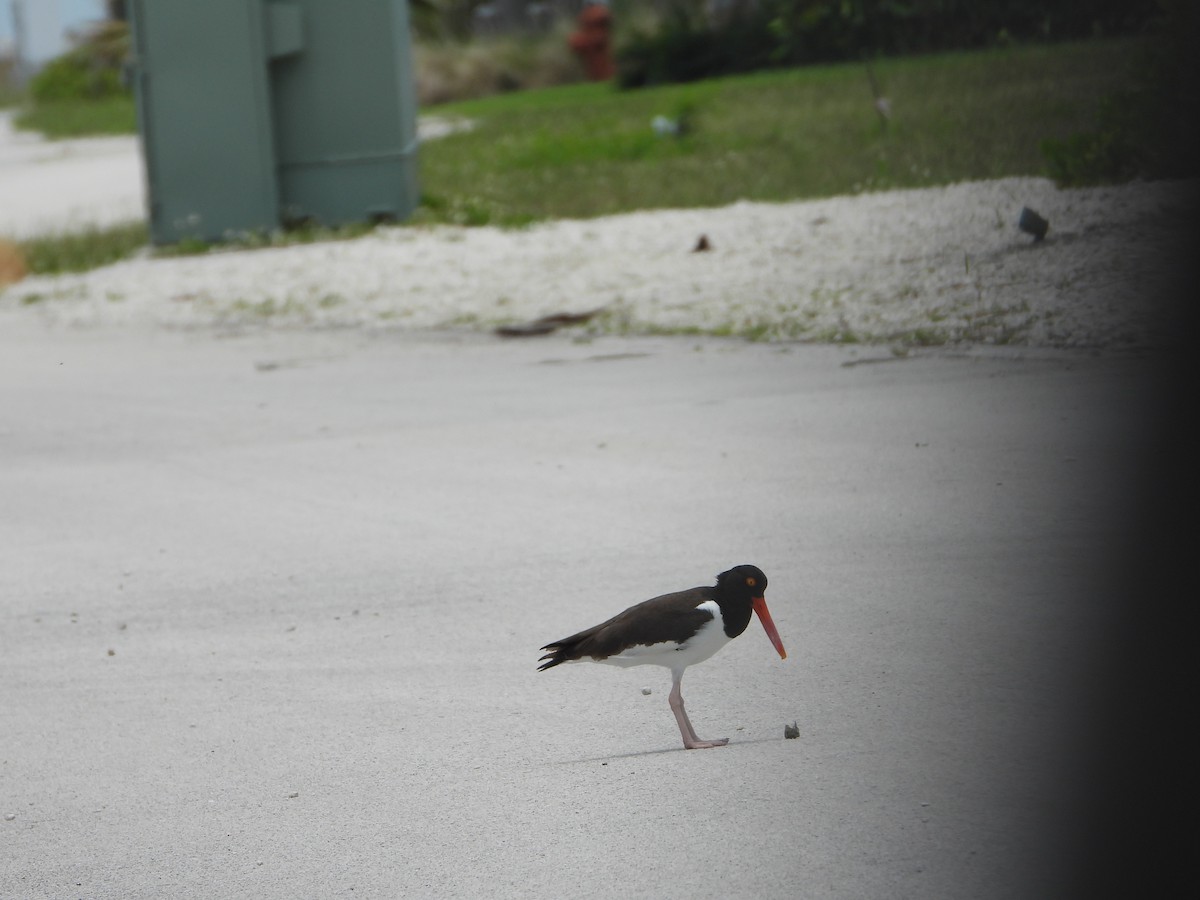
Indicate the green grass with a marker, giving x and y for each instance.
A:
(587, 150)
(91, 248)
(68, 119)
(83, 250)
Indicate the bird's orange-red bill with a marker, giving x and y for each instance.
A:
(764, 616)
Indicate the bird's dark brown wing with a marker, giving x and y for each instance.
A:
(671, 617)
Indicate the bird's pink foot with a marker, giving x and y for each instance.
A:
(704, 745)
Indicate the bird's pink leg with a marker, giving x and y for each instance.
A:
(690, 740)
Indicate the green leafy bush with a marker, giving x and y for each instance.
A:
(686, 48)
(73, 78)
(90, 71)
(690, 43)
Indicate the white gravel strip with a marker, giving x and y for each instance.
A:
(941, 265)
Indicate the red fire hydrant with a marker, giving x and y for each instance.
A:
(592, 41)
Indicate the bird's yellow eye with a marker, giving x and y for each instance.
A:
(750, 582)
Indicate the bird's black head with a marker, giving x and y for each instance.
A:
(742, 581)
(740, 592)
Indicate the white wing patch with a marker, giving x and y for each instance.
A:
(704, 643)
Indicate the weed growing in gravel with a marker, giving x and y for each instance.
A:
(256, 240)
(81, 251)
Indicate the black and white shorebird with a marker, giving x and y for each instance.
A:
(675, 630)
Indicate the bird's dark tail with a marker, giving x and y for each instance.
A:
(560, 652)
(553, 658)
(577, 646)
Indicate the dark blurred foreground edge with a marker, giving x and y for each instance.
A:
(1133, 826)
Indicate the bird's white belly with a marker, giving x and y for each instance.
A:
(704, 643)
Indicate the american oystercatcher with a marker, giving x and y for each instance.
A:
(676, 631)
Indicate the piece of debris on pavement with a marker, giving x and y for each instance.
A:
(546, 324)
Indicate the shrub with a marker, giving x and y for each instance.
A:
(448, 71)
(685, 47)
(90, 71)
(688, 44)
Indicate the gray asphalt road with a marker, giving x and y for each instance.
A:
(271, 607)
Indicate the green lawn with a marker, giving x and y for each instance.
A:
(112, 115)
(589, 150)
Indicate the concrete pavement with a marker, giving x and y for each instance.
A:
(271, 606)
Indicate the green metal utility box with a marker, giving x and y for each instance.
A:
(259, 114)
